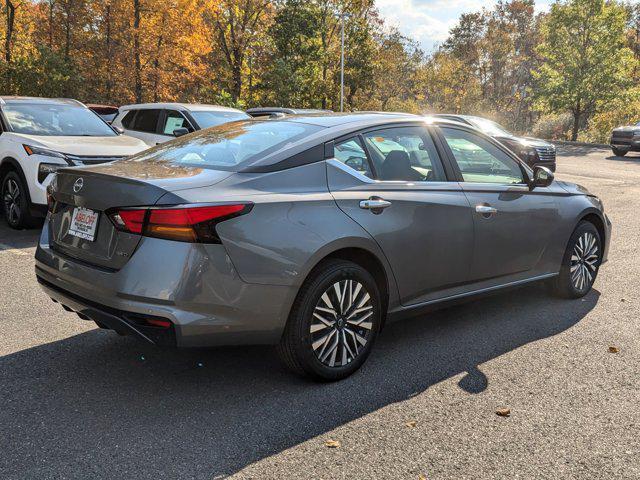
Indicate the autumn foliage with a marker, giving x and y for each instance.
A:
(508, 62)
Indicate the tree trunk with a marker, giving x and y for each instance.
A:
(109, 76)
(576, 125)
(136, 51)
(11, 14)
(237, 81)
(51, 25)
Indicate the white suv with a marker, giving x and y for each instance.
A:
(39, 136)
(156, 123)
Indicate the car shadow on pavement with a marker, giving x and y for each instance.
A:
(17, 239)
(626, 158)
(96, 405)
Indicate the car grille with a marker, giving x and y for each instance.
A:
(546, 154)
(93, 159)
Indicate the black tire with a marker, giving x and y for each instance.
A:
(567, 284)
(15, 202)
(296, 345)
(619, 153)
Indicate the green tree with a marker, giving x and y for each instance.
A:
(585, 63)
(294, 73)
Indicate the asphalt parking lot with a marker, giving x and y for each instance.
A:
(77, 402)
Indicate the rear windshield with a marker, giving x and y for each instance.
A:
(212, 118)
(55, 120)
(230, 146)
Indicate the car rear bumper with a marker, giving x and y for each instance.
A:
(193, 286)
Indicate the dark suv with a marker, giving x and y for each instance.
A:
(625, 139)
(532, 151)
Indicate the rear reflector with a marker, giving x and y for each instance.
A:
(158, 323)
(194, 224)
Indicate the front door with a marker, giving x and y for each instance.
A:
(513, 224)
(392, 182)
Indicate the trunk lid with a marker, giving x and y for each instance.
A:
(104, 187)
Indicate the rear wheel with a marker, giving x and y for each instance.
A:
(580, 264)
(334, 322)
(15, 205)
(619, 153)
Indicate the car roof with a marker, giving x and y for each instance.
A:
(332, 126)
(336, 119)
(267, 110)
(192, 107)
(8, 100)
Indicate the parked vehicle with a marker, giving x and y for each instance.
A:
(40, 135)
(308, 232)
(156, 123)
(532, 151)
(106, 112)
(269, 111)
(625, 139)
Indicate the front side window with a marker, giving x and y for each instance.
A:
(55, 120)
(479, 160)
(231, 146)
(174, 120)
(146, 121)
(404, 153)
(352, 154)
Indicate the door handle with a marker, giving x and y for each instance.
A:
(486, 210)
(374, 204)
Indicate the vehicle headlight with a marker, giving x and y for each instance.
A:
(31, 150)
(44, 169)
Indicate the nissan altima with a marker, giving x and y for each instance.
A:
(309, 233)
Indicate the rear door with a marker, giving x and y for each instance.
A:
(394, 184)
(144, 124)
(513, 224)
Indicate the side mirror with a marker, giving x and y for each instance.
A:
(178, 132)
(120, 130)
(542, 177)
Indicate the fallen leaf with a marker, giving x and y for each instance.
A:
(503, 412)
(422, 477)
(332, 444)
(614, 349)
(410, 424)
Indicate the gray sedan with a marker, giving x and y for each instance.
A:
(309, 233)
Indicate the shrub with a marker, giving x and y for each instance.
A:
(553, 126)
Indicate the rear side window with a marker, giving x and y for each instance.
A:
(146, 121)
(128, 119)
(231, 146)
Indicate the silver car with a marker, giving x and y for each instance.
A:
(309, 232)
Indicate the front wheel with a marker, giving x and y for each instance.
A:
(333, 323)
(619, 153)
(580, 264)
(15, 205)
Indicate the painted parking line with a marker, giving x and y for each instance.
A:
(15, 251)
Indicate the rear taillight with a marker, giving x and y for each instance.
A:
(183, 223)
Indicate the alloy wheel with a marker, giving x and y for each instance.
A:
(342, 323)
(12, 201)
(584, 261)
